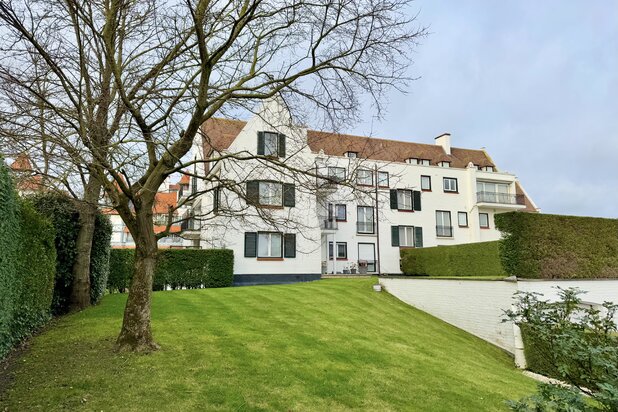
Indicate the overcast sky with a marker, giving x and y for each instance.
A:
(534, 82)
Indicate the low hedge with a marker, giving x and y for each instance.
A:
(472, 259)
(541, 246)
(176, 269)
(27, 264)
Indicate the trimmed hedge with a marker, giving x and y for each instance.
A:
(177, 269)
(63, 213)
(541, 246)
(472, 259)
(27, 263)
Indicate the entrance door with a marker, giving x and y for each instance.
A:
(367, 251)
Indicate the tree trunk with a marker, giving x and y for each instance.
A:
(80, 290)
(136, 333)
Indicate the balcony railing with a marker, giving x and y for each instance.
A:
(444, 231)
(328, 224)
(188, 224)
(365, 227)
(502, 198)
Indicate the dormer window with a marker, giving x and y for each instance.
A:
(271, 144)
(444, 164)
(488, 168)
(412, 160)
(352, 155)
(424, 162)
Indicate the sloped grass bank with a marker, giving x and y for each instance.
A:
(327, 345)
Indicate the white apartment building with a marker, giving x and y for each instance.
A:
(286, 227)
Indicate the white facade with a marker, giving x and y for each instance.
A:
(358, 233)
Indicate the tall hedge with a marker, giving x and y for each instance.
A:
(63, 213)
(177, 269)
(541, 246)
(27, 265)
(472, 259)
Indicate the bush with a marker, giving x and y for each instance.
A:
(473, 259)
(574, 343)
(63, 213)
(176, 268)
(551, 246)
(120, 269)
(99, 257)
(27, 262)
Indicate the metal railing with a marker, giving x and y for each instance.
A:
(366, 227)
(328, 224)
(188, 224)
(444, 231)
(502, 198)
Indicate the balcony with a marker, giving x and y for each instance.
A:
(328, 224)
(366, 228)
(501, 199)
(444, 231)
(190, 228)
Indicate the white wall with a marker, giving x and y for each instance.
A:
(477, 306)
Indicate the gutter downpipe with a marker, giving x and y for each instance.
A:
(377, 222)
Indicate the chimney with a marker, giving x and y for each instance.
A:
(444, 140)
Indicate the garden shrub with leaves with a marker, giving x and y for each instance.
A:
(573, 342)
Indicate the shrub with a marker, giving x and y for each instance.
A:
(574, 343)
(473, 259)
(27, 263)
(63, 213)
(176, 268)
(552, 246)
(120, 269)
(99, 257)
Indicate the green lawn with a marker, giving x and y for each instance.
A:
(326, 345)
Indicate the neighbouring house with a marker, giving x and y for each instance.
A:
(165, 199)
(27, 181)
(406, 195)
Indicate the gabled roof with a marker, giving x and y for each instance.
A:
(220, 133)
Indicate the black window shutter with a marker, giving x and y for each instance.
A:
(250, 244)
(394, 199)
(253, 192)
(260, 143)
(417, 199)
(289, 245)
(418, 236)
(281, 145)
(216, 200)
(289, 195)
(395, 235)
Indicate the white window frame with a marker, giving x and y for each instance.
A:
(459, 216)
(443, 222)
(267, 238)
(445, 164)
(481, 222)
(269, 148)
(448, 187)
(270, 193)
(404, 199)
(364, 177)
(368, 223)
(428, 179)
(412, 160)
(352, 155)
(424, 162)
(332, 251)
(406, 235)
(341, 207)
(335, 171)
(381, 179)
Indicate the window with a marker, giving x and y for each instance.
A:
(450, 184)
(341, 214)
(462, 219)
(444, 164)
(160, 219)
(404, 199)
(270, 194)
(426, 183)
(443, 224)
(364, 177)
(352, 155)
(271, 144)
(406, 235)
(365, 219)
(269, 244)
(412, 160)
(493, 192)
(383, 179)
(484, 220)
(342, 250)
(424, 162)
(488, 168)
(336, 173)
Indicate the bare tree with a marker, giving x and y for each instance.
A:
(174, 66)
